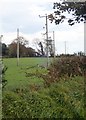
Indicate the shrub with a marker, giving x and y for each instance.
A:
(70, 66)
(64, 68)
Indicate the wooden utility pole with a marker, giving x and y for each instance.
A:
(47, 40)
(17, 47)
(85, 38)
(65, 47)
(54, 43)
(1, 46)
(47, 44)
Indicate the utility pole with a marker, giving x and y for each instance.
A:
(1, 37)
(46, 37)
(85, 38)
(54, 43)
(65, 47)
(1, 46)
(47, 40)
(17, 47)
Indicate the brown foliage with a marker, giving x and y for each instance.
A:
(65, 68)
(62, 68)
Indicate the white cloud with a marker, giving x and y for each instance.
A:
(23, 14)
(74, 38)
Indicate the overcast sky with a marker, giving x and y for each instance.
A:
(24, 14)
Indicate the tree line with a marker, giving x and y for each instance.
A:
(11, 50)
(24, 50)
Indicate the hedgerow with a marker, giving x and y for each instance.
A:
(65, 68)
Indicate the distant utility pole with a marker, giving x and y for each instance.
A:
(17, 47)
(54, 43)
(46, 36)
(1, 37)
(65, 47)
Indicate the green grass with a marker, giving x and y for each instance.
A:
(16, 76)
(62, 99)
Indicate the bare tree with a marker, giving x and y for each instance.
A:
(22, 41)
(39, 46)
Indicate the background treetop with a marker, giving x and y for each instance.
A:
(76, 9)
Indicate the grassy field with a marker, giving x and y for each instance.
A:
(62, 99)
(16, 76)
